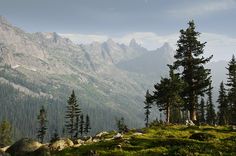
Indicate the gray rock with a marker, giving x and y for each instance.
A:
(23, 147)
(118, 136)
(61, 144)
(99, 135)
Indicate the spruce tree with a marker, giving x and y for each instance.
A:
(231, 83)
(42, 119)
(201, 113)
(5, 133)
(72, 112)
(76, 127)
(223, 114)
(87, 126)
(190, 62)
(167, 93)
(81, 125)
(147, 107)
(210, 111)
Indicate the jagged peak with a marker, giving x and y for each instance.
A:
(166, 46)
(133, 42)
(3, 20)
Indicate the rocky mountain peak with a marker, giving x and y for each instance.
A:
(110, 42)
(133, 43)
(3, 20)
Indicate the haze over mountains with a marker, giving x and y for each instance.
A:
(110, 79)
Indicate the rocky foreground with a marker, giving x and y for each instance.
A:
(157, 140)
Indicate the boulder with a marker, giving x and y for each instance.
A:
(79, 141)
(61, 144)
(23, 147)
(4, 148)
(189, 123)
(89, 140)
(202, 136)
(42, 151)
(118, 136)
(99, 135)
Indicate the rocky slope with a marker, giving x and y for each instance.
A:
(48, 65)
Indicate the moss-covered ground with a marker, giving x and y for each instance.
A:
(163, 140)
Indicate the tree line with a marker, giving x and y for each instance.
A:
(75, 123)
(187, 92)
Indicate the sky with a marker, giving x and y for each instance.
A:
(150, 22)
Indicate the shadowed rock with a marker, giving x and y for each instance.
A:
(23, 147)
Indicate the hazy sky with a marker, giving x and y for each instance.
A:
(150, 22)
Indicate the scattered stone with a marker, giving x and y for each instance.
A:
(119, 146)
(99, 135)
(137, 133)
(96, 140)
(61, 144)
(233, 128)
(189, 123)
(202, 136)
(79, 141)
(77, 145)
(89, 140)
(4, 148)
(23, 146)
(118, 136)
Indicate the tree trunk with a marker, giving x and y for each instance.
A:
(193, 115)
(167, 115)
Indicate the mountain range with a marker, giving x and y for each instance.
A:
(110, 79)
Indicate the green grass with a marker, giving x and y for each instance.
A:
(163, 140)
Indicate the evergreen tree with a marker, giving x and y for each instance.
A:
(121, 126)
(55, 136)
(210, 111)
(231, 83)
(42, 119)
(147, 107)
(81, 125)
(5, 133)
(73, 111)
(87, 126)
(77, 126)
(201, 113)
(223, 114)
(167, 93)
(189, 61)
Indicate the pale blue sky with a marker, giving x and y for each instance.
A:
(121, 18)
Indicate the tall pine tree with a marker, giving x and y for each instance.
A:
(72, 112)
(167, 93)
(210, 111)
(201, 113)
(223, 114)
(81, 125)
(42, 119)
(87, 126)
(190, 62)
(147, 107)
(231, 83)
